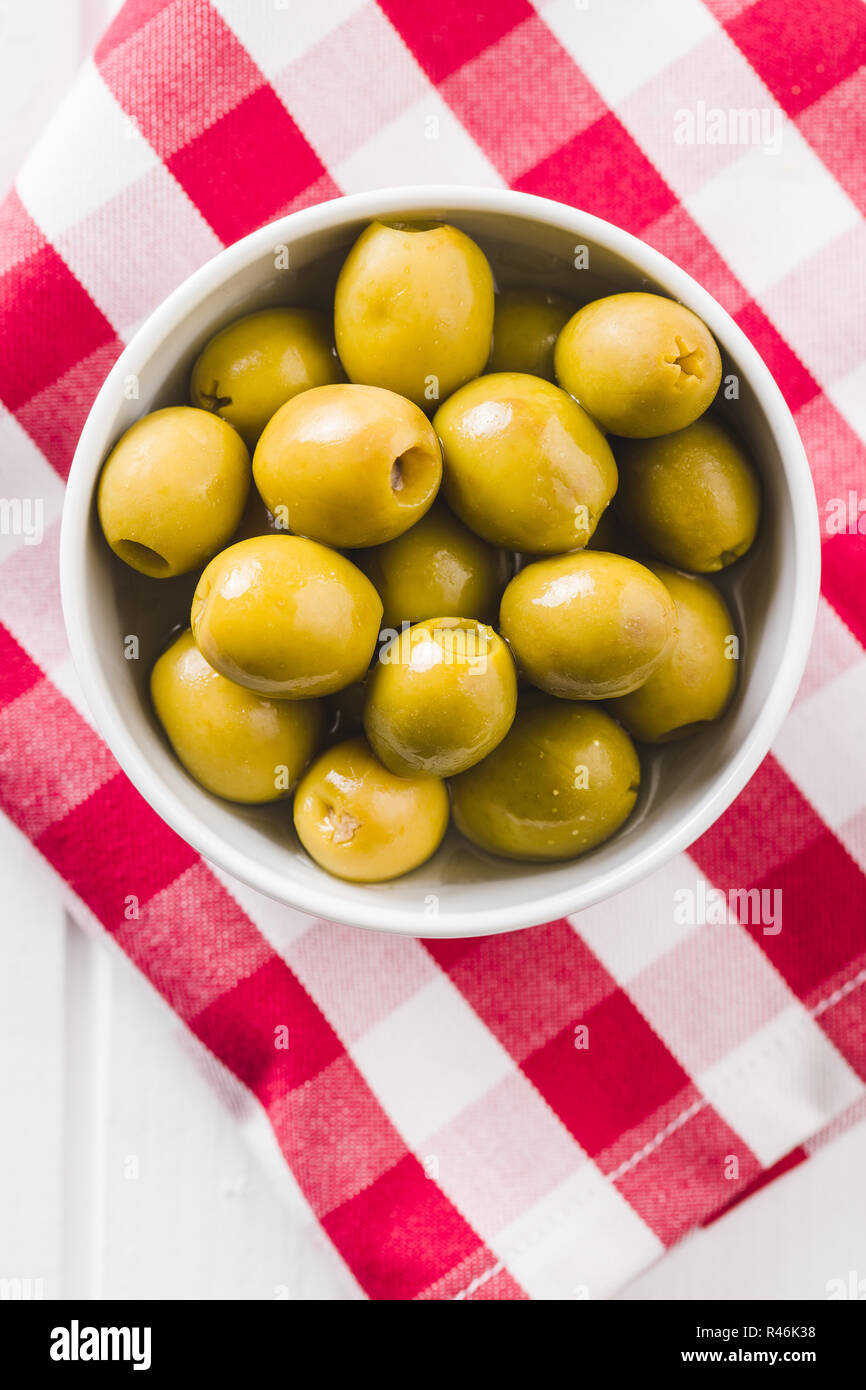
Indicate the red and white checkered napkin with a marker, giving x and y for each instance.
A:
(437, 1115)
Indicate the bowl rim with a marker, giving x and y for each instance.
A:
(412, 200)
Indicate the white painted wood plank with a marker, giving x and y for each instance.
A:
(32, 936)
(189, 1210)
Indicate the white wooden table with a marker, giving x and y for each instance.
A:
(123, 1173)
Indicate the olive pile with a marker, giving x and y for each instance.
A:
(400, 600)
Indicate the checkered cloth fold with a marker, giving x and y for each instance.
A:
(437, 1107)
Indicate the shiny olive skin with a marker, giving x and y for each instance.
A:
(413, 310)
(692, 498)
(589, 625)
(286, 616)
(236, 743)
(440, 698)
(526, 325)
(438, 568)
(257, 363)
(525, 467)
(173, 490)
(696, 682)
(640, 364)
(360, 822)
(350, 465)
(563, 780)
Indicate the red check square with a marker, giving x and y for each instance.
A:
(448, 34)
(602, 171)
(843, 560)
(243, 169)
(795, 381)
(699, 1165)
(400, 1234)
(623, 1073)
(18, 672)
(801, 51)
(177, 73)
(268, 1031)
(48, 322)
(112, 847)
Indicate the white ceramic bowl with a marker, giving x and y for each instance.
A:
(459, 892)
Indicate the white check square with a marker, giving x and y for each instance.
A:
(424, 144)
(88, 153)
(837, 710)
(581, 1241)
(620, 45)
(782, 1084)
(276, 32)
(769, 213)
(631, 930)
(430, 1058)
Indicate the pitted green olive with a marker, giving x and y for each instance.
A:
(588, 625)
(525, 467)
(348, 465)
(286, 616)
(236, 743)
(254, 365)
(641, 364)
(562, 780)
(172, 490)
(440, 697)
(360, 822)
(413, 310)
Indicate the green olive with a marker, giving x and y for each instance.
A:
(237, 744)
(526, 325)
(172, 490)
(640, 364)
(588, 625)
(692, 497)
(561, 781)
(350, 465)
(439, 567)
(360, 822)
(525, 467)
(695, 683)
(440, 697)
(413, 310)
(254, 365)
(286, 616)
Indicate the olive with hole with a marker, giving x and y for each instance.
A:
(526, 325)
(589, 625)
(691, 498)
(413, 310)
(440, 698)
(562, 781)
(257, 363)
(438, 568)
(640, 364)
(236, 743)
(695, 683)
(360, 822)
(286, 616)
(348, 465)
(525, 467)
(173, 490)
